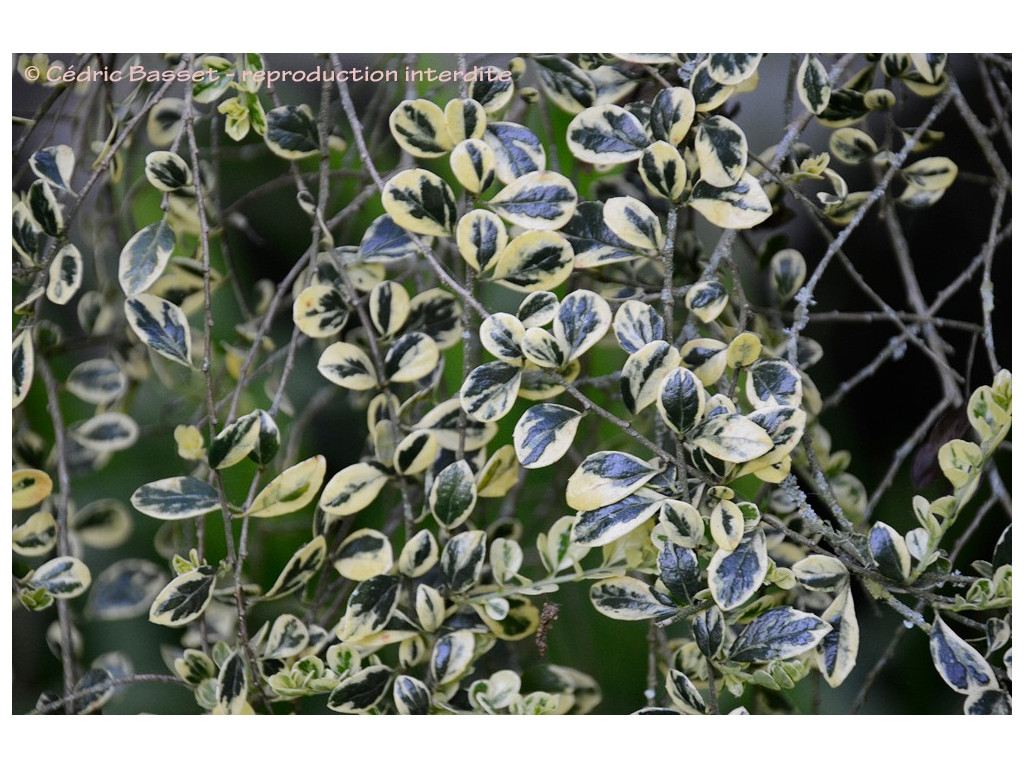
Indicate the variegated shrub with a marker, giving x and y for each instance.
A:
(537, 339)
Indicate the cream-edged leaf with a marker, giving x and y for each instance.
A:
(65, 275)
(537, 309)
(451, 656)
(788, 271)
(416, 452)
(741, 206)
(384, 241)
(812, 85)
(708, 93)
(889, 551)
(672, 113)
(98, 381)
(420, 202)
(481, 237)
(836, 654)
(30, 487)
(176, 498)
(161, 326)
(726, 525)
(663, 170)
(36, 536)
(735, 576)
(444, 420)
(773, 381)
(320, 311)
(167, 171)
(364, 554)
(780, 633)
(606, 477)
(499, 474)
(462, 560)
(501, 334)
(419, 127)
(681, 523)
(54, 165)
(493, 89)
(102, 524)
(643, 373)
(962, 667)
(299, 569)
(107, 432)
(721, 148)
(583, 319)
(706, 300)
(465, 119)
(411, 358)
(680, 400)
(593, 242)
(352, 489)
(46, 209)
(473, 163)
(22, 366)
(542, 349)
(62, 577)
(490, 390)
(235, 441)
(732, 68)
(292, 132)
(185, 598)
(635, 223)
(517, 150)
(125, 590)
(544, 433)
(541, 200)
(628, 599)
(606, 134)
(636, 325)
(568, 86)
(347, 366)
(291, 490)
(597, 527)
(452, 495)
(436, 313)
(933, 174)
(731, 437)
(535, 261)
(852, 146)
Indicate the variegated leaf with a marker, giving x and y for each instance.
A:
(721, 148)
(544, 433)
(672, 113)
(541, 200)
(185, 598)
(606, 477)
(63, 578)
(462, 560)
(773, 381)
(597, 527)
(517, 150)
(443, 422)
(419, 554)
(731, 437)
(419, 127)
(501, 472)
(436, 313)
(593, 242)
(36, 536)
(411, 358)
(780, 633)
(684, 694)
(161, 326)
(634, 223)
(65, 275)
(583, 319)
(352, 489)
(708, 93)
(420, 202)
(962, 667)
(636, 325)
(54, 165)
(741, 206)
(465, 119)
(628, 599)
(605, 135)
(291, 490)
(788, 270)
(364, 554)
(663, 170)
(107, 432)
(320, 311)
(706, 300)
(537, 309)
(933, 174)
(125, 590)
(473, 163)
(167, 171)
(732, 68)
(98, 381)
(812, 85)
(292, 132)
(681, 400)
(300, 568)
(568, 86)
(481, 237)
(176, 498)
(501, 334)
(535, 261)
(233, 685)
(821, 573)
(451, 656)
(493, 89)
(490, 390)
(30, 487)
(679, 572)
(361, 691)
(726, 525)
(411, 696)
(416, 452)
(681, 523)
(384, 241)
(46, 209)
(347, 366)
(22, 366)
(102, 524)
(235, 441)
(837, 653)
(735, 576)
(27, 234)
(852, 146)
(889, 551)
(370, 607)
(453, 494)
(643, 373)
